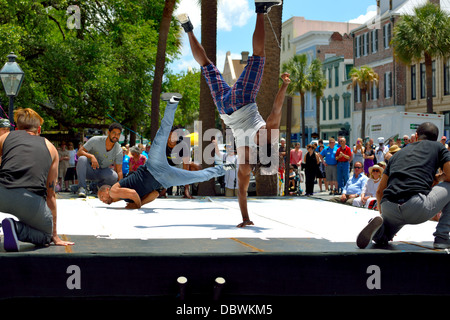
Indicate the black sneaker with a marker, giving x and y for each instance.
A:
(366, 234)
(440, 243)
(229, 166)
(172, 97)
(185, 22)
(11, 242)
(264, 6)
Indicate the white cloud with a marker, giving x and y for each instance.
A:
(233, 13)
(370, 14)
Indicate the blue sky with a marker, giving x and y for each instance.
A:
(236, 21)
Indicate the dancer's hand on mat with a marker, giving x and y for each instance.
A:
(57, 241)
(245, 223)
(132, 205)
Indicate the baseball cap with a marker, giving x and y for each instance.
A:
(4, 123)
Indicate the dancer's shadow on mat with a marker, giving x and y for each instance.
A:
(254, 229)
(144, 210)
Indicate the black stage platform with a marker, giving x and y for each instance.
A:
(255, 270)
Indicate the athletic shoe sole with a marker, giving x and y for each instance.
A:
(366, 234)
(169, 95)
(11, 242)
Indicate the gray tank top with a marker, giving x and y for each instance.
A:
(26, 162)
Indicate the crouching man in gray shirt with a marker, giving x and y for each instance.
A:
(96, 157)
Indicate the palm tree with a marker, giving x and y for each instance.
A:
(318, 86)
(423, 35)
(160, 64)
(364, 77)
(266, 185)
(207, 113)
(297, 66)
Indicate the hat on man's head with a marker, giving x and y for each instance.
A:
(394, 149)
(4, 123)
(380, 140)
(444, 138)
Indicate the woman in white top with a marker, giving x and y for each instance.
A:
(231, 176)
(369, 191)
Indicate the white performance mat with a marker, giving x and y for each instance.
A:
(217, 217)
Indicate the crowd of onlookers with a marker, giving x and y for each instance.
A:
(350, 174)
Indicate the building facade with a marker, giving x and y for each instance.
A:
(316, 39)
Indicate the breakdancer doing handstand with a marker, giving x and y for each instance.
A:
(142, 186)
(237, 105)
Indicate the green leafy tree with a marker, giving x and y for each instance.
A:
(81, 77)
(364, 77)
(300, 73)
(423, 36)
(318, 85)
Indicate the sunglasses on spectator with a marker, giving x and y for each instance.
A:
(376, 171)
(358, 167)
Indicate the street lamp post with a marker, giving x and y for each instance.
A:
(12, 78)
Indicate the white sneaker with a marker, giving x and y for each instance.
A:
(185, 22)
(264, 6)
(81, 192)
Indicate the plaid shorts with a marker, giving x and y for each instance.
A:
(229, 99)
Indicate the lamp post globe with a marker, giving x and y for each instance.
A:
(12, 77)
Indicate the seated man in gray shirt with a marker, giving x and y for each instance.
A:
(96, 157)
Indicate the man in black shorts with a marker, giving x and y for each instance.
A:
(412, 190)
(142, 186)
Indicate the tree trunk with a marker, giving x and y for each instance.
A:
(318, 114)
(266, 185)
(302, 114)
(363, 113)
(429, 82)
(207, 106)
(160, 64)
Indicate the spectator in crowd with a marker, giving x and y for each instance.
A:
(392, 150)
(444, 141)
(64, 157)
(125, 161)
(410, 191)
(147, 150)
(71, 173)
(358, 151)
(369, 156)
(369, 191)
(311, 161)
(399, 142)
(136, 160)
(353, 187)
(413, 138)
(179, 155)
(405, 140)
(96, 157)
(296, 156)
(381, 150)
(27, 184)
(344, 157)
(328, 156)
(321, 176)
(231, 178)
(5, 127)
(282, 157)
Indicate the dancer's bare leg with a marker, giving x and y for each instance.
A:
(259, 36)
(198, 51)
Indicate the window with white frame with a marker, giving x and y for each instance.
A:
(374, 40)
(388, 85)
(387, 35)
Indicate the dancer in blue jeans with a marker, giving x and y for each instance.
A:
(142, 186)
(410, 191)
